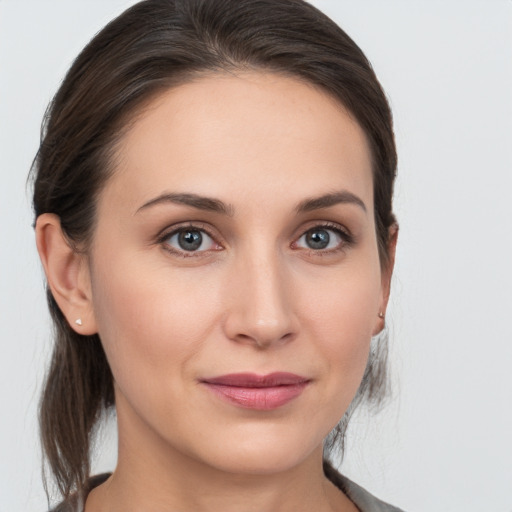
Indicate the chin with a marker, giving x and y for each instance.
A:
(262, 456)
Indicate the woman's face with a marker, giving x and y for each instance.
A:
(237, 236)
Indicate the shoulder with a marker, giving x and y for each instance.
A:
(361, 498)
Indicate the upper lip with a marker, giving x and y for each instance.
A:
(253, 380)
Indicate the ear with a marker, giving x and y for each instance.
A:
(386, 274)
(67, 273)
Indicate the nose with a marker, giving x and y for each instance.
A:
(260, 310)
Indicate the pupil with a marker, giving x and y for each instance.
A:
(318, 239)
(190, 240)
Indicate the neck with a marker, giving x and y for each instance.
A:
(153, 476)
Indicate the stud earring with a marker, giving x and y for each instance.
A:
(381, 315)
(78, 321)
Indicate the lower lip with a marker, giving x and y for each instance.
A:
(261, 399)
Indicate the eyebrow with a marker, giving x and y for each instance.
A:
(332, 199)
(194, 200)
(215, 205)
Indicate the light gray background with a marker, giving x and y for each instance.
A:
(444, 442)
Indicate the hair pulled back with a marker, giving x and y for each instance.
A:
(151, 47)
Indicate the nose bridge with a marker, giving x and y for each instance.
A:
(261, 309)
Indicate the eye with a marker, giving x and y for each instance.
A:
(189, 240)
(322, 238)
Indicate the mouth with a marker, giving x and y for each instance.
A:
(259, 392)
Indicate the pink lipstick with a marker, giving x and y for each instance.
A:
(260, 392)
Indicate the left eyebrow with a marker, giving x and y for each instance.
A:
(327, 200)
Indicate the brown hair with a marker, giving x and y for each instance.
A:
(152, 46)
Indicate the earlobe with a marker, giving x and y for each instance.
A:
(380, 323)
(67, 274)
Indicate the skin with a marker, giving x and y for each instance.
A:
(255, 297)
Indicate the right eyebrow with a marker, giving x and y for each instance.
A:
(194, 200)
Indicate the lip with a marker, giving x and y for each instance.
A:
(259, 392)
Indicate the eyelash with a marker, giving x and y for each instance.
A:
(347, 239)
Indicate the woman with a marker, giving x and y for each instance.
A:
(213, 201)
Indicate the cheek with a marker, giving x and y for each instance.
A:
(345, 304)
(342, 315)
(147, 317)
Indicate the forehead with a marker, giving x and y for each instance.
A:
(240, 135)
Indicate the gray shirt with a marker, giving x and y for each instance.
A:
(361, 498)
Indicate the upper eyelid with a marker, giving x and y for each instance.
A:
(334, 226)
(195, 226)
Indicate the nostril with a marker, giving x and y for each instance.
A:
(287, 337)
(263, 342)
